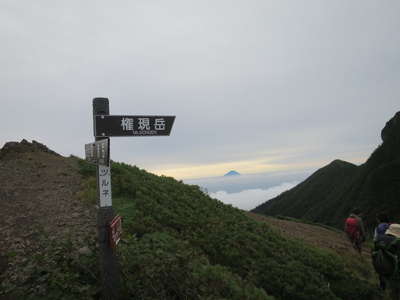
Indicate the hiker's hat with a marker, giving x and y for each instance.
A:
(394, 229)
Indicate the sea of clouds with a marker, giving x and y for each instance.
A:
(248, 191)
(249, 199)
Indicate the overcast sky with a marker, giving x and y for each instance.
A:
(256, 86)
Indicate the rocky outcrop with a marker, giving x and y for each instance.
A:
(391, 132)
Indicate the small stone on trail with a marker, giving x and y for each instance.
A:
(85, 251)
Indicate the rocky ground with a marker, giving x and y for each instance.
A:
(39, 204)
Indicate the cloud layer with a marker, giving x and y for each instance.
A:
(249, 199)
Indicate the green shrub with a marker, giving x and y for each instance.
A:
(160, 266)
(179, 243)
(57, 271)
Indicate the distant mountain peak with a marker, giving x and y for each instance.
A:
(341, 163)
(232, 173)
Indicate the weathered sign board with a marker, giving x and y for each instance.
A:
(115, 231)
(98, 152)
(113, 125)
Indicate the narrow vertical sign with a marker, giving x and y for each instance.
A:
(105, 186)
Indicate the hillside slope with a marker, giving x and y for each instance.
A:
(314, 234)
(41, 216)
(329, 194)
(326, 238)
(182, 242)
(311, 199)
(178, 243)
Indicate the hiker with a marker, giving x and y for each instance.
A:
(383, 225)
(380, 231)
(354, 229)
(385, 258)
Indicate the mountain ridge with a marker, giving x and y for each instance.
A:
(330, 193)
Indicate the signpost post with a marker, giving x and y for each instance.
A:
(108, 260)
(109, 225)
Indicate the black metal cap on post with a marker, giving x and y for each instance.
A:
(101, 106)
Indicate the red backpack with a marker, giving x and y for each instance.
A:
(351, 226)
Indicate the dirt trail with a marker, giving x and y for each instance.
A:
(313, 234)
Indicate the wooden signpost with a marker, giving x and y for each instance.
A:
(109, 225)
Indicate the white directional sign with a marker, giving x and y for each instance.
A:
(105, 186)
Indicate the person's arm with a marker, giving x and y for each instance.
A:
(375, 234)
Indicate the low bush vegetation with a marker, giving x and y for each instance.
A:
(178, 243)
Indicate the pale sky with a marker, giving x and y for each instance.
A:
(255, 85)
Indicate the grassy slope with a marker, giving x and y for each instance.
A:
(334, 190)
(315, 199)
(180, 243)
(325, 237)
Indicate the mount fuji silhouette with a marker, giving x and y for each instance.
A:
(232, 173)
